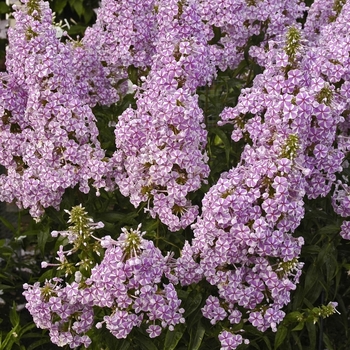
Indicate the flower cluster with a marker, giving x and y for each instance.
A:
(123, 36)
(49, 139)
(238, 21)
(126, 284)
(294, 118)
(291, 116)
(61, 311)
(161, 143)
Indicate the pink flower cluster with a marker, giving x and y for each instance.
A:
(294, 116)
(161, 144)
(238, 21)
(126, 284)
(48, 134)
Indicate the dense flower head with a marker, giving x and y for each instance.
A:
(321, 13)
(49, 138)
(243, 241)
(123, 38)
(60, 310)
(240, 20)
(127, 282)
(123, 34)
(162, 142)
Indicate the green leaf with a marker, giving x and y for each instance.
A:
(124, 345)
(7, 343)
(254, 345)
(76, 29)
(88, 14)
(217, 36)
(311, 250)
(329, 230)
(14, 318)
(77, 6)
(328, 342)
(43, 236)
(311, 277)
(267, 342)
(25, 329)
(173, 337)
(311, 329)
(46, 275)
(221, 138)
(299, 326)
(8, 224)
(296, 338)
(294, 316)
(133, 74)
(192, 302)
(343, 308)
(197, 339)
(4, 8)
(38, 343)
(145, 343)
(122, 218)
(281, 334)
(59, 5)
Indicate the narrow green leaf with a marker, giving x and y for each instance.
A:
(14, 318)
(297, 341)
(25, 329)
(217, 36)
(38, 343)
(125, 345)
(192, 302)
(311, 329)
(122, 218)
(254, 345)
(59, 5)
(197, 339)
(281, 334)
(77, 6)
(145, 343)
(311, 277)
(311, 249)
(8, 224)
(88, 14)
(327, 342)
(173, 337)
(43, 237)
(329, 230)
(267, 342)
(299, 326)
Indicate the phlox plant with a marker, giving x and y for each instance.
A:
(186, 166)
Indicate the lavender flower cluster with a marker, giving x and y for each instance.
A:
(162, 142)
(49, 139)
(127, 282)
(295, 119)
(239, 20)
